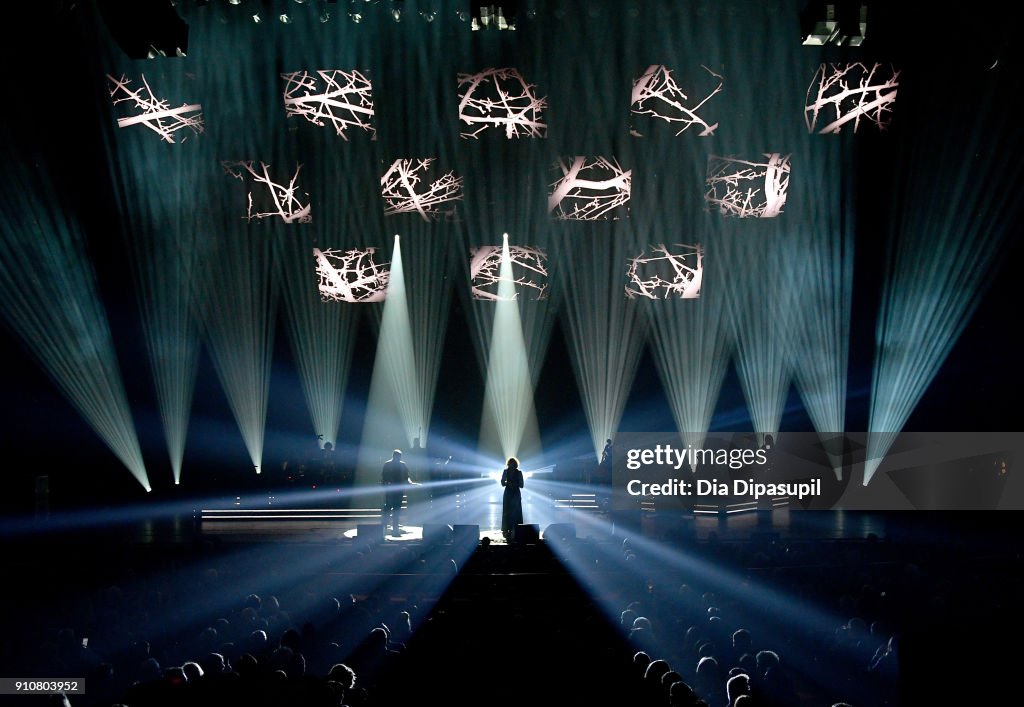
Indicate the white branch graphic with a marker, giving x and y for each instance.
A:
(845, 93)
(657, 95)
(341, 99)
(589, 189)
(282, 200)
(152, 112)
(745, 188)
(406, 188)
(351, 276)
(500, 98)
(529, 271)
(664, 272)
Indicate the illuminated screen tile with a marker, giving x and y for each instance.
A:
(851, 95)
(747, 188)
(659, 103)
(589, 189)
(674, 271)
(268, 198)
(351, 275)
(416, 187)
(500, 99)
(341, 100)
(138, 105)
(529, 272)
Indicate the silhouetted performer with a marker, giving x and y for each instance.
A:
(394, 477)
(602, 476)
(512, 499)
(328, 465)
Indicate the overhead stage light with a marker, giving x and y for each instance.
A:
(836, 23)
(488, 14)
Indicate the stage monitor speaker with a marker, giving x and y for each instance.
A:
(464, 534)
(437, 533)
(560, 531)
(527, 534)
(370, 533)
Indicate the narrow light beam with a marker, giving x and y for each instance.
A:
(50, 299)
(153, 180)
(240, 303)
(394, 405)
(691, 345)
(761, 297)
(607, 333)
(946, 238)
(508, 396)
(322, 335)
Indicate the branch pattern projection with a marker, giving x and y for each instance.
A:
(661, 272)
(841, 94)
(351, 275)
(341, 99)
(152, 112)
(657, 95)
(529, 271)
(501, 99)
(406, 188)
(747, 188)
(285, 201)
(589, 189)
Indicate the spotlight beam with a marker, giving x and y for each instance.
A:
(238, 314)
(323, 338)
(691, 348)
(606, 330)
(947, 236)
(821, 332)
(394, 407)
(51, 301)
(428, 302)
(761, 303)
(508, 396)
(162, 238)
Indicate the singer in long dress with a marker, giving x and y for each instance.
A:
(512, 498)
